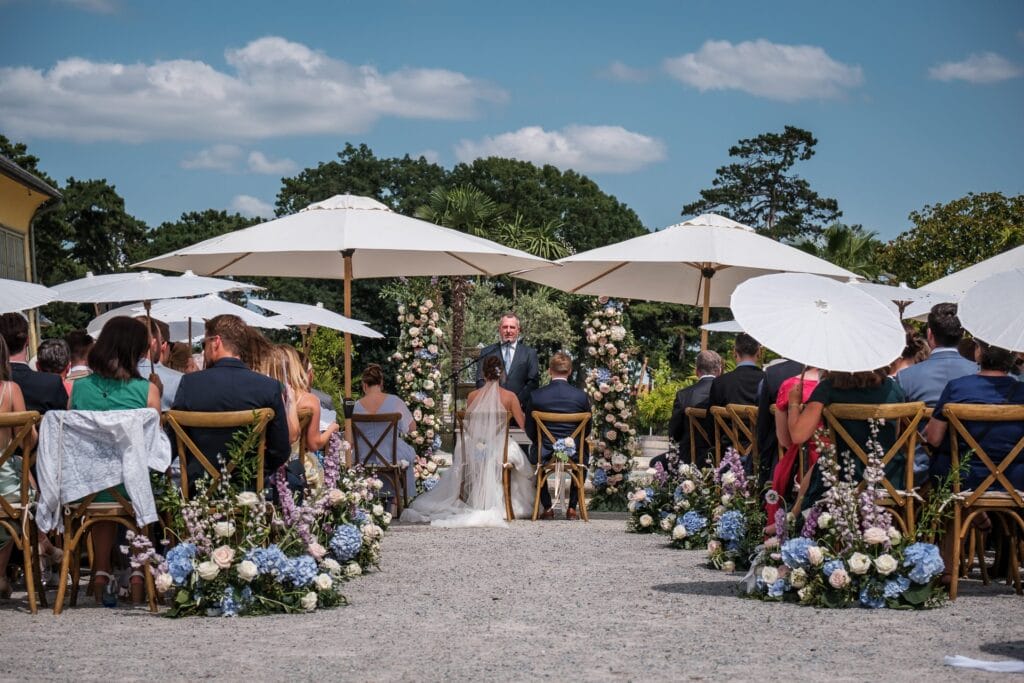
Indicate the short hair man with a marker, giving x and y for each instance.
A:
(522, 370)
(708, 366)
(228, 385)
(556, 397)
(152, 362)
(42, 391)
(740, 384)
(53, 357)
(79, 344)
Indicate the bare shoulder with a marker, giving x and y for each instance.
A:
(472, 396)
(507, 398)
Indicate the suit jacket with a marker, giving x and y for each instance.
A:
(696, 395)
(767, 437)
(523, 374)
(557, 397)
(42, 390)
(225, 386)
(925, 381)
(737, 386)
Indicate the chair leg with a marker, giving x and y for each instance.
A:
(582, 498)
(70, 548)
(536, 497)
(954, 563)
(29, 557)
(506, 485)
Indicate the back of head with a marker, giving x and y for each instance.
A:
(865, 379)
(14, 330)
(916, 349)
(373, 376)
(53, 356)
(180, 356)
(79, 342)
(945, 325)
(298, 378)
(493, 368)
(967, 348)
(275, 364)
(746, 346)
(121, 344)
(994, 358)
(708, 363)
(234, 334)
(560, 364)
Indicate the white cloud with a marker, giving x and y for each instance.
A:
(216, 158)
(272, 88)
(987, 67)
(765, 69)
(94, 6)
(431, 155)
(254, 207)
(259, 163)
(608, 149)
(617, 71)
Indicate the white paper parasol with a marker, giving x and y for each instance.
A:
(304, 315)
(16, 295)
(723, 326)
(993, 310)
(819, 322)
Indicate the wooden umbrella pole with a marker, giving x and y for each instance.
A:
(149, 328)
(347, 255)
(707, 274)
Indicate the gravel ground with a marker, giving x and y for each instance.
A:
(541, 601)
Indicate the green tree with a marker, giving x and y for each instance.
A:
(192, 227)
(847, 246)
(760, 190)
(949, 237)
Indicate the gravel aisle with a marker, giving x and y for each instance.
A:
(549, 601)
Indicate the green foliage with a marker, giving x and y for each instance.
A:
(654, 408)
(761, 191)
(192, 227)
(949, 237)
(847, 246)
(326, 349)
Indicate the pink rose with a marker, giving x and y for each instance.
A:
(839, 579)
(223, 556)
(317, 551)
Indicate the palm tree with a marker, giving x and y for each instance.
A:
(847, 246)
(542, 240)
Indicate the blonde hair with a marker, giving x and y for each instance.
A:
(298, 378)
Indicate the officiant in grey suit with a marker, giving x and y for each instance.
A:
(522, 371)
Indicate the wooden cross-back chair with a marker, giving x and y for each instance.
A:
(968, 504)
(744, 427)
(305, 417)
(577, 468)
(696, 419)
(15, 515)
(180, 421)
(379, 455)
(723, 430)
(506, 471)
(907, 417)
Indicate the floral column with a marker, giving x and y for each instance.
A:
(614, 445)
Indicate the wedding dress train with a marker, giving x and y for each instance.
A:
(470, 493)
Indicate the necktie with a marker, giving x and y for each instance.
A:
(508, 356)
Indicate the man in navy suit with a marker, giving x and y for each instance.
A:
(708, 366)
(226, 385)
(557, 397)
(42, 390)
(522, 371)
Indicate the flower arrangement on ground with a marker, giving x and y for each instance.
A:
(848, 552)
(613, 441)
(419, 379)
(650, 507)
(693, 499)
(235, 553)
(737, 518)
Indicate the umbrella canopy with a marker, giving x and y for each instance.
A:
(698, 262)
(16, 295)
(210, 306)
(304, 315)
(899, 298)
(993, 310)
(723, 326)
(819, 322)
(951, 289)
(179, 328)
(142, 285)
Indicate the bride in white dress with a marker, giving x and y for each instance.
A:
(470, 492)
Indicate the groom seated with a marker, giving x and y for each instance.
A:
(557, 397)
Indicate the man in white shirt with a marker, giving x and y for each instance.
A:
(152, 362)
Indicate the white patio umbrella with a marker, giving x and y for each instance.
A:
(993, 310)
(179, 328)
(698, 262)
(210, 306)
(143, 285)
(723, 326)
(819, 322)
(304, 315)
(951, 288)
(16, 295)
(347, 237)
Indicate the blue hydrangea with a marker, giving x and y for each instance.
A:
(179, 562)
(246, 595)
(732, 526)
(678, 494)
(436, 443)
(794, 552)
(693, 522)
(777, 589)
(650, 493)
(270, 560)
(419, 396)
(831, 566)
(429, 484)
(228, 606)
(894, 588)
(603, 374)
(871, 597)
(360, 518)
(346, 542)
(925, 562)
(301, 571)
(600, 477)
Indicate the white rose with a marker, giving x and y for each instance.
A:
(769, 575)
(894, 535)
(323, 582)
(353, 569)
(798, 578)
(688, 487)
(815, 556)
(208, 570)
(620, 404)
(308, 601)
(428, 385)
(372, 531)
(875, 536)
(335, 497)
(646, 520)
(377, 484)
(431, 467)
(247, 499)
(378, 510)
(414, 331)
(728, 479)
(859, 563)
(223, 556)
(223, 529)
(401, 309)
(164, 582)
(886, 564)
(438, 334)
(331, 566)
(650, 471)
(824, 520)
(729, 566)
(803, 593)
(386, 517)
(666, 524)
(726, 499)
(247, 570)
(679, 532)
(428, 402)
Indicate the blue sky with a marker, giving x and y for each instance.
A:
(192, 105)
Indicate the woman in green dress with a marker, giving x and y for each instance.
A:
(115, 384)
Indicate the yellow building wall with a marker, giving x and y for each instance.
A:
(18, 204)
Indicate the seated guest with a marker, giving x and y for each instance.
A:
(914, 352)
(740, 385)
(11, 401)
(115, 384)
(967, 348)
(992, 385)
(42, 391)
(54, 357)
(787, 469)
(558, 396)
(376, 401)
(152, 361)
(871, 387)
(708, 366)
(180, 358)
(228, 385)
(79, 344)
(298, 382)
(767, 395)
(267, 359)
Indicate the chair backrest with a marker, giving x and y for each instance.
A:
(959, 413)
(180, 421)
(578, 434)
(461, 420)
(744, 427)
(696, 418)
(21, 425)
(724, 430)
(305, 417)
(371, 450)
